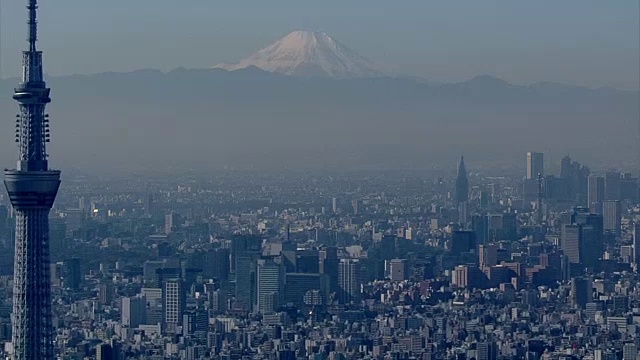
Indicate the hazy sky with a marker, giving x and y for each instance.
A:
(587, 42)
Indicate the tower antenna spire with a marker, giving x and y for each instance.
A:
(33, 24)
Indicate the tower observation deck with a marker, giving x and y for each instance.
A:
(32, 189)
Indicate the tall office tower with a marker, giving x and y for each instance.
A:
(297, 285)
(535, 165)
(104, 352)
(243, 245)
(565, 168)
(349, 281)
(32, 189)
(612, 214)
(170, 223)
(334, 205)
(570, 242)
(245, 251)
(133, 311)
(354, 206)
(595, 193)
(329, 265)
(479, 226)
(636, 245)
(462, 192)
(174, 303)
(245, 281)
(580, 291)
(612, 181)
(73, 273)
(488, 255)
(217, 264)
(487, 350)
(270, 290)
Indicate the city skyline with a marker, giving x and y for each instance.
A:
(318, 199)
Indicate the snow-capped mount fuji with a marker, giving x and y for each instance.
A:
(308, 54)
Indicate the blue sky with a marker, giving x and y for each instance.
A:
(585, 42)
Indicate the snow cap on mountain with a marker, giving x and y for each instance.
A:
(309, 53)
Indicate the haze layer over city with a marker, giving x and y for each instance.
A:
(334, 180)
(490, 80)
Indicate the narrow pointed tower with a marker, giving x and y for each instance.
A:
(462, 183)
(32, 189)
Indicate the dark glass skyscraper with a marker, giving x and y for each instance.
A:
(32, 189)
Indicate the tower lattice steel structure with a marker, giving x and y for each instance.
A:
(32, 188)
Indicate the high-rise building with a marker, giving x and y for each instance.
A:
(535, 165)
(612, 181)
(636, 245)
(32, 189)
(630, 351)
(245, 281)
(354, 206)
(104, 352)
(612, 215)
(270, 291)
(464, 276)
(462, 193)
(298, 284)
(349, 281)
(487, 350)
(73, 273)
(565, 168)
(170, 223)
(580, 291)
(570, 242)
(462, 241)
(488, 255)
(334, 205)
(479, 225)
(329, 264)
(398, 269)
(174, 303)
(105, 293)
(133, 311)
(596, 193)
(308, 261)
(217, 264)
(245, 251)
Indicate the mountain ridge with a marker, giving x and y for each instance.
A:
(191, 118)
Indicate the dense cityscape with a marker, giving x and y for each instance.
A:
(343, 265)
(469, 263)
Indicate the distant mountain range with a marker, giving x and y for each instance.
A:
(250, 118)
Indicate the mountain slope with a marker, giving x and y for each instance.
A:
(308, 54)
